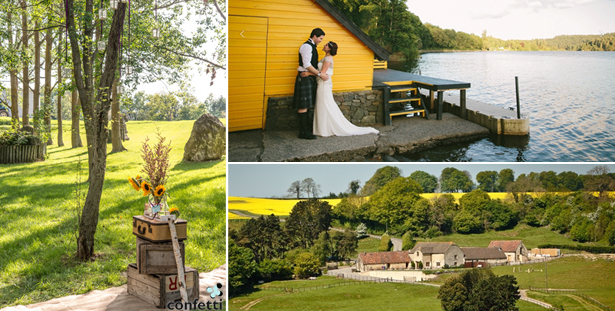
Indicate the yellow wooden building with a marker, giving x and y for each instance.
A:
(264, 40)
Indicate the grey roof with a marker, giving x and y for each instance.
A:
(432, 247)
(478, 253)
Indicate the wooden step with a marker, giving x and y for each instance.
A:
(402, 88)
(402, 112)
(403, 100)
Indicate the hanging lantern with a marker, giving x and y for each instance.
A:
(128, 69)
(120, 89)
(102, 45)
(156, 33)
(66, 72)
(114, 4)
(102, 15)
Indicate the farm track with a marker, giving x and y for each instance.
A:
(586, 304)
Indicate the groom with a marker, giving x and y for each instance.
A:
(305, 88)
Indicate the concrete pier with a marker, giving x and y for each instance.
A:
(406, 135)
(497, 119)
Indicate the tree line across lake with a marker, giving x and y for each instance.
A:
(391, 24)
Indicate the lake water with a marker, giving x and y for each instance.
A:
(570, 97)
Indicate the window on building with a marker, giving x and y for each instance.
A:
(437, 263)
(455, 256)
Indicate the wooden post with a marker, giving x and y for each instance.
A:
(432, 100)
(462, 103)
(518, 105)
(178, 260)
(440, 101)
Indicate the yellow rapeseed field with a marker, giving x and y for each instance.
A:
(282, 207)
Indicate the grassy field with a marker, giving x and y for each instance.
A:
(531, 237)
(594, 278)
(356, 296)
(37, 220)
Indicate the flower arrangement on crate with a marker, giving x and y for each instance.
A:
(155, 168)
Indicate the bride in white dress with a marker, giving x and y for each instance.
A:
(328, 118)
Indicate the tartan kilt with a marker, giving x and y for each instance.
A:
(305, 92)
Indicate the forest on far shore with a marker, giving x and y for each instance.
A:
(391, 24)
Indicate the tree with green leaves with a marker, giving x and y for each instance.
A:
(407, 241)
(479, 289)
(241, 267)
(487, 180)
(347, 245)
(322, 248)
(306, 265)
(454, 180)
(428, 182)
(398, 206)
(386, 244)
(382, 176)
(505, 177)
(307, 220)
(354, 186)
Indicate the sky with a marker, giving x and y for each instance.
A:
(269, 180)
(519, 19)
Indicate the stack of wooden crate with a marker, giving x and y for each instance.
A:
(153, 277)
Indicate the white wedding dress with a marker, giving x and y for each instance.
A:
(328, 118)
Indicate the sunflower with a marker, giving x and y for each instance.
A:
(147, 188)
(134, 182)
(174, 211)
(160, 190)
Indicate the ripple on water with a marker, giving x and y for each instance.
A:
(568, 95)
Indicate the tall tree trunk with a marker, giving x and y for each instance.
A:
(96, 115)
(75, 138)
(26, 77)
(37, 74)
(13, 76)
(47, 100)
(116, 139)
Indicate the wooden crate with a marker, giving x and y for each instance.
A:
(158, 258)
(156, 230)
(159, 289)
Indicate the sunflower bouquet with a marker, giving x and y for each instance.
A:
(155, 168)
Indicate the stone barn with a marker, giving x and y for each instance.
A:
(477, 257)
(398, 260)
(515, 250)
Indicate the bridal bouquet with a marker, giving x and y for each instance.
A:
(155, 168)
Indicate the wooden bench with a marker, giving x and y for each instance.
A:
(402, 98)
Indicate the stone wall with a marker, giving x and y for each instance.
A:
(362, 108)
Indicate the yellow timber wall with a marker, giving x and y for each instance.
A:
(264, 41)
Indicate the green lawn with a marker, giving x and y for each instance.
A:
(356, 296)
(368, 245)
(37, 220)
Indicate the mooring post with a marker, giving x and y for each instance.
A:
(518, 105)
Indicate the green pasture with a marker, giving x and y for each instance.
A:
(38, 221)
(531, 237)
(592, 277)
(315, 295)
